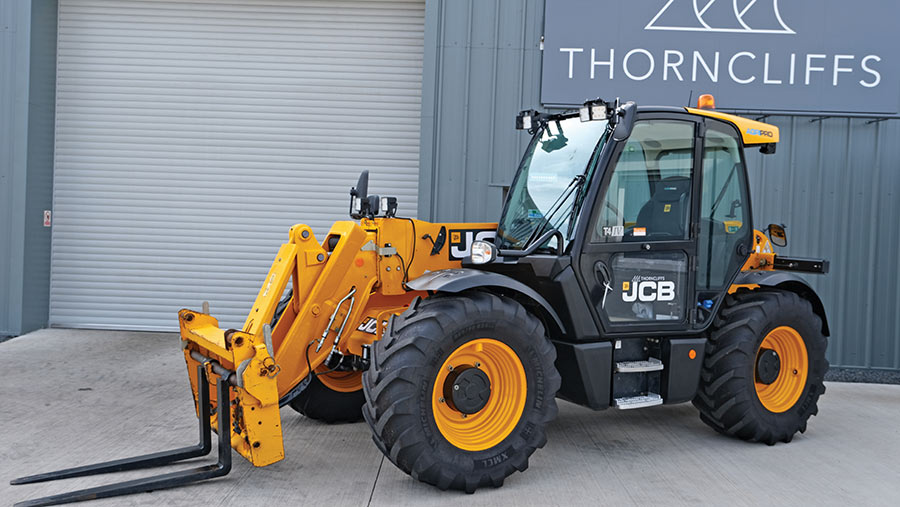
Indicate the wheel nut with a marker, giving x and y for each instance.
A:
(456, 387)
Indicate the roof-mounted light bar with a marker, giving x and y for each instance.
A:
(528, 120)
(597, 109)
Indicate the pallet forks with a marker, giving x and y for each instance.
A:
(163, 481)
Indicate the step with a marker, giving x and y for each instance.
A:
(644, 400)
(652, 364)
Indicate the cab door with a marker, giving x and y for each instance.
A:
(639, 250)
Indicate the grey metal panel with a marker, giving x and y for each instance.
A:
(835, 182)
(14, 41)
(486, 63)
(191, 136)
(39, 180)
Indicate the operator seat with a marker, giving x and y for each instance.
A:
(665, 215)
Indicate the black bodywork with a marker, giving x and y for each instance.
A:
(564, 290)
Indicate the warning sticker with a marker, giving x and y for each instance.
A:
(640, 231)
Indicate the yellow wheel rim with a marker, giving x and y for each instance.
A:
(783, 393)
(500, 415)
(340, 381)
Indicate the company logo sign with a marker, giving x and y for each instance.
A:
(770, 55)
(739, 13)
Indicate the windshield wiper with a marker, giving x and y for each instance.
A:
(576, 183)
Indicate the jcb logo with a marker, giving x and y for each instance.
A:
(648, 291)
(461, 241)
(370, 325)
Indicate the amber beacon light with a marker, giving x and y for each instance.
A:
(706, 101)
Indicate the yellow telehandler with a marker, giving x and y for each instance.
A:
(624, 272)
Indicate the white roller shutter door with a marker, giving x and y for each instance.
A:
(191, 135)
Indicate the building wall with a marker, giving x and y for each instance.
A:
(482, 66)
(27, 84)
(14, 23)
(39, 180)
(834, 182)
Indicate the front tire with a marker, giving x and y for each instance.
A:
(764, 367)
(460, 390)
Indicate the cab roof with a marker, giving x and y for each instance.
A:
(754, 133)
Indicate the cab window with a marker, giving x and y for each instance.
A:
(723, 206)
(649, 193)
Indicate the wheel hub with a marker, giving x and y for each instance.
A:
(768, 366)
(467, 389)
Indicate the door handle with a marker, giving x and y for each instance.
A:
(601, 272)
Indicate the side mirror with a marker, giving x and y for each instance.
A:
(360, 205)
(777, 235)
(625, 121)
(362, 185)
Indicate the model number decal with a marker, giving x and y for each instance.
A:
(758, 132)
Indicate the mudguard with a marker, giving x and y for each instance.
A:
(787, 281)
(458, 280)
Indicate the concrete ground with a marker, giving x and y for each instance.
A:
(74, 397)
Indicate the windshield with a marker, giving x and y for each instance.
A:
(550, 181)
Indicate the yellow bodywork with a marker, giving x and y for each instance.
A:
(753, 132)
(372, 259)
(762, 258)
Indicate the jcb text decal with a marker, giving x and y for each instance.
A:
(648, 288)
(370, 325)
(461, 241)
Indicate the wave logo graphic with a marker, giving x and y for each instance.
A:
(752, 16)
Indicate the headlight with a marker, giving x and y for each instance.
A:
(482, 252)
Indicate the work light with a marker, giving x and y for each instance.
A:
(596, 109)
(483, 252)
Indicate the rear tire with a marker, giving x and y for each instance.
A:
(412, 420)
(323, 403)
(742, 395)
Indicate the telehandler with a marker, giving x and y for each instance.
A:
(624, 272)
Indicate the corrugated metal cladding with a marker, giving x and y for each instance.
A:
(14, 34)
(835, 182)
(191, 135)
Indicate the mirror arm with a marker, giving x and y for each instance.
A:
(536, 244)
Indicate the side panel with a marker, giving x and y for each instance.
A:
(683, 359)
(586, 371)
